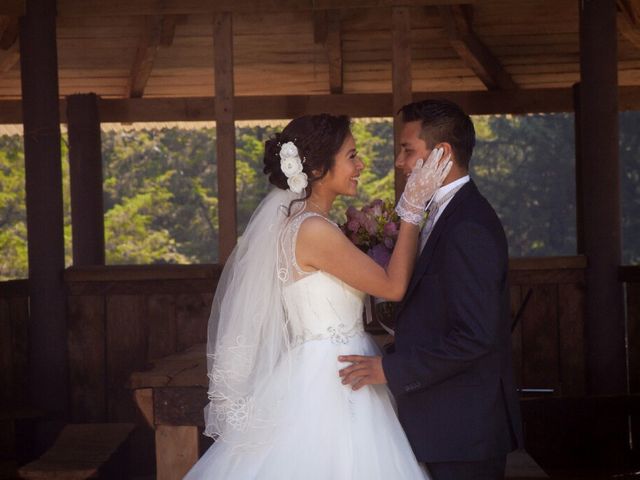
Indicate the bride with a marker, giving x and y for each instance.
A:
(288, 303)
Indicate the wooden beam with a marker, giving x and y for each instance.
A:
(473, 52)
(600, 178)
(193, 109)
(48, 360)
(9, 29)
(14, 8)
(159, 31)
(97, 8)
(85, 172)
(400, 77)
(168, 31)
(225, 133)
(580, 206)
(320, 27)
(327, 32)
(628, 20)
(9, 58)
(145, 56)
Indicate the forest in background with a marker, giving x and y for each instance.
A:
(160, 193)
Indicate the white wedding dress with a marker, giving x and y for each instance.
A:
(325, 430)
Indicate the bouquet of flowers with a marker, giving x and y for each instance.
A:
(373, 229)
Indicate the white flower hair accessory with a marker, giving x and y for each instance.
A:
(291, 166)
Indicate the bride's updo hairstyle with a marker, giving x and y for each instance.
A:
(318, 139)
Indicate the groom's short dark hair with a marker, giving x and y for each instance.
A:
(443, 121)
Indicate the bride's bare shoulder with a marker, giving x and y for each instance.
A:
(316, 229)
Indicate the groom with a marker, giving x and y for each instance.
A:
(451, 371)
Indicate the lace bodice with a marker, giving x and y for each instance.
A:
(319, 305)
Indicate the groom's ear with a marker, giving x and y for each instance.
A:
(448, 150)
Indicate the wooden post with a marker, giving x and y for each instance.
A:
(578, 170)
(599, 167)
(225, 133)
(85, 168)
(48, 366)
(400, 77)
(177, 450)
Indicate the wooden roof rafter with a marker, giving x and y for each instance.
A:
(9, 30)
(629, 20)
(327, 31)
(159, 31)
(457, 20)
(9, 45)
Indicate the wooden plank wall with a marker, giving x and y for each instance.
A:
(631, 278)
(548, 340)
(14, 309)
(122, 318)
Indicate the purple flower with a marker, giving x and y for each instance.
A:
(353, 225)
(376, 208)
(388, 242)
(390, 229)
(352, 212)
(370, 225)
(380, 255)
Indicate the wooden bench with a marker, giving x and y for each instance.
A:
(83, 451)
(171, 397)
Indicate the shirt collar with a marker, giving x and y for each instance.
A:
(443, 190)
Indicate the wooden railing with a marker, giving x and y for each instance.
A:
(123, 317)
(120, 318)
(548, 339)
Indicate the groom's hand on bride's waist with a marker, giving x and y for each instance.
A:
(362, 371)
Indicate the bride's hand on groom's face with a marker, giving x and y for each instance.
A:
(362, 371)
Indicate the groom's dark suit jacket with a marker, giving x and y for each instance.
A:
(451, 371)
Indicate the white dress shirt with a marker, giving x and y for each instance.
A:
(440, 194)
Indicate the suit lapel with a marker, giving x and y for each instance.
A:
(429, 248)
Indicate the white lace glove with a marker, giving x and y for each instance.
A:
(425, 179)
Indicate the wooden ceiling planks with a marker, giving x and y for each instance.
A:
(275, 52)
(173, 7)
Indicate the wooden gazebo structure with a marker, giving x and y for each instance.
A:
(82, 62)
